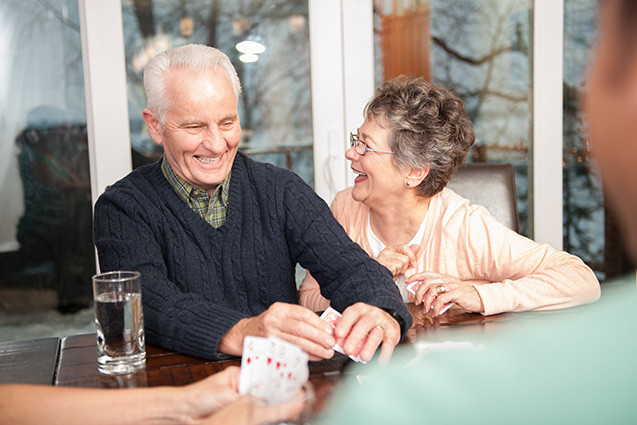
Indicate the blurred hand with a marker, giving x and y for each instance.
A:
(248, 410)
(398, 259)
(438, 290)
(289, 322)
(362, 320)
(213, 393)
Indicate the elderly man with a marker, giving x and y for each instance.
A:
(217, 236)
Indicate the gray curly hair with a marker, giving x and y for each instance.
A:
(428, 127)
(191, 56)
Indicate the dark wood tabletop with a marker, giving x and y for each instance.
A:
(72, 360)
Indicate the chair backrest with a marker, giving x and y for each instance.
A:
(492, 186)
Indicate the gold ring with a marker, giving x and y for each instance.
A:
(441, 289)
(381, 328)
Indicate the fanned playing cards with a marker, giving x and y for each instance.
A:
(272, 369)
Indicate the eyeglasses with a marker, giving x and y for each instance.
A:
(360, 147)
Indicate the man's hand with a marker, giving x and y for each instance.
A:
(362, 320)
(289, 322)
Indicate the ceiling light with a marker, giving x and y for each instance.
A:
(248, 58)
(250, 47)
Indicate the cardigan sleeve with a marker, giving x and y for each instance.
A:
(512, 272)
(310, 294)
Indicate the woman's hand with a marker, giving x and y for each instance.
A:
(249, 410)
(215, 400)
(212, 394)
(438, 290)
(398, 259)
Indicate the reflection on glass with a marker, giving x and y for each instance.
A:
(267, 42)
(480, 51)
(46, 248)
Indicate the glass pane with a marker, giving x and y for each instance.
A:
(275, 106)
(479, 49)
(46, 249)
(589, 232)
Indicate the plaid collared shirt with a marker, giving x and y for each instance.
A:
(213, 209)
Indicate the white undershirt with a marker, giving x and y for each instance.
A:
(377, 246)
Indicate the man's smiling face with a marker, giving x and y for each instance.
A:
(201, 131)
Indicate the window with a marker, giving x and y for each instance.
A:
(273, 63)
(46, 249)
(480, 51)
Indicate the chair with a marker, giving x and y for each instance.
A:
(491, 186)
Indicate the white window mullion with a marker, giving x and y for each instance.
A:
(546, 194)
(342, 61)
(327, 96)
(104, 65)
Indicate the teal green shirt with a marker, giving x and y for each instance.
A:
(213, 209)
(572, 366)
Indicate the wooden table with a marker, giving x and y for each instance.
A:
(72, 361)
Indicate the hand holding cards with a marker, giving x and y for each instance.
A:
(332, 317)
(272, 369)
(413, 287)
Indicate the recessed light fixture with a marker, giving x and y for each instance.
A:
(250, 47)
(248, 58)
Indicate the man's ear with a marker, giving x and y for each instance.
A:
(417, 175)
(154, 126)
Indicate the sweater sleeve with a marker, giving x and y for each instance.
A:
(310, 292)
(344, 271)
(175, 318)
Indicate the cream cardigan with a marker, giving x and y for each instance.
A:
(509, 271)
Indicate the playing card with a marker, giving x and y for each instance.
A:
(290, 372)
(332, 317)
(413, 286)
(257, 356)
(272, 369)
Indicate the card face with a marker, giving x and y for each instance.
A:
(332, 317)
(272, 369)
(256, 356)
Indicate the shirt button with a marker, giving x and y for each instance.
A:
(196, 192)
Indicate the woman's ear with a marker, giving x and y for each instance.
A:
(155, 128)
(417, 175)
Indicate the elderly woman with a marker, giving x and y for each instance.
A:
(415, 136)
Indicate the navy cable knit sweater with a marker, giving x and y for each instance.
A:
(199, 281)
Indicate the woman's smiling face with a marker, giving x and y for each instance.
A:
(377, 179)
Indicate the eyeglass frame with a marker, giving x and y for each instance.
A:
(354, 140)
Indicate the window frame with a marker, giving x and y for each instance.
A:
(342, 81)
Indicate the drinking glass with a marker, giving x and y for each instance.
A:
(119, 321)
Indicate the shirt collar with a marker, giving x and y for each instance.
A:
(186, 191)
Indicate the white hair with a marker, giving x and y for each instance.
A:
(191, 56)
